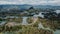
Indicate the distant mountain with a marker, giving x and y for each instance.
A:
(25, 6)
(47, 6)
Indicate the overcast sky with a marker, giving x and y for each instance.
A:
(32, 2)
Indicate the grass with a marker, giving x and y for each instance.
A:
(30, 20)
(18, 20)
(31, 29)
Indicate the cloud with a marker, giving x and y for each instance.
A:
(5, 2)
(32, 2)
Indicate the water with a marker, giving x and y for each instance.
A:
(2, 22)
(40, 25)
(24, 21)
(57, 11)
(57, 32)
(40, 15)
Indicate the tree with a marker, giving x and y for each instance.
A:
(0, 19)
(31, 7)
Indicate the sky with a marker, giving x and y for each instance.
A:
(31, 2)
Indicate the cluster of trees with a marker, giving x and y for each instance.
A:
(52, 15)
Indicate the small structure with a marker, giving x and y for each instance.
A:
(11, 24)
